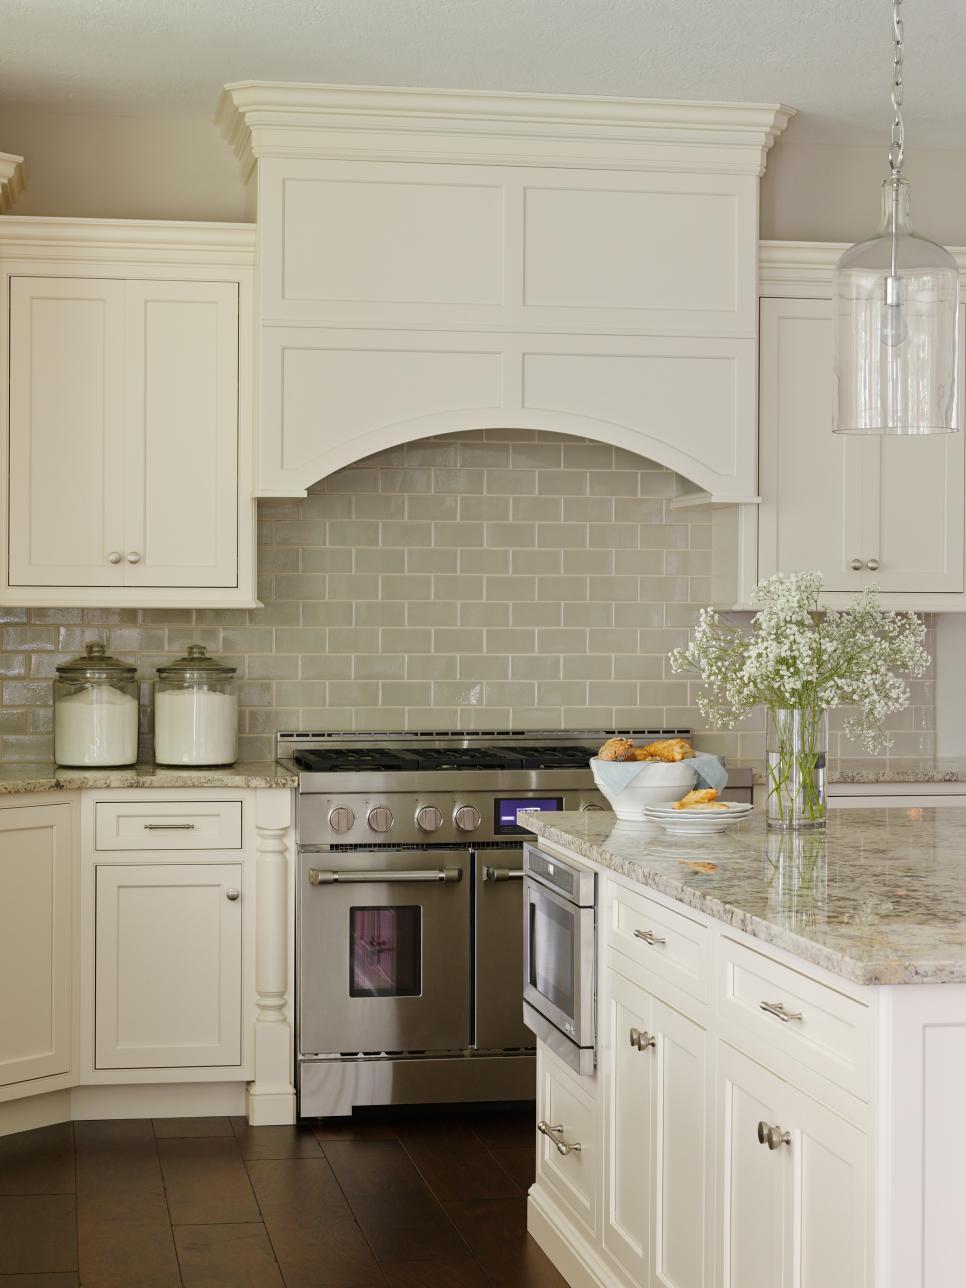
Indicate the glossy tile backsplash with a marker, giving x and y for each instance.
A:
(491, 580)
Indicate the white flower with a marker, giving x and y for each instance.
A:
(798, 656)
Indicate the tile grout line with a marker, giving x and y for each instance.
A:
(263, 1222)
(167, 1205)
(335, 1176)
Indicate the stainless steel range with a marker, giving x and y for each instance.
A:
(410, 915)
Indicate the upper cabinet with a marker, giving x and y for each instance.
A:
(862, 511)
(128, 430)
(435, 261)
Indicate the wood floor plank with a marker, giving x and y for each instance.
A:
(125, 1240)
(505, 1129)
(275, 1142)
(103, 1133)
(37, 1233)
(38, 1162)
(512, 1260)
(226, 1256)
(167, 1127)
(520, 1164)
(352, 1128)
(373, 1168)
(434, 1274)
(408, 1227)
(466, 1171)
(39, 1281)
(206, 1181)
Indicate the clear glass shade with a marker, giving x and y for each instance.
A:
(896, 317)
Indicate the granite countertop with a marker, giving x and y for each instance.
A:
(878, 897)
(900, 772)
(48, 777)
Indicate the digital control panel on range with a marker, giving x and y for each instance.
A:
(506, 808)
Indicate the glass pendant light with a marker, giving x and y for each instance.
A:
(896, 314)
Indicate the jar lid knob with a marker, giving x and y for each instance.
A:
(94, 649)
(197, 650)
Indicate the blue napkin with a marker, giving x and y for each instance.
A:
(709, 769)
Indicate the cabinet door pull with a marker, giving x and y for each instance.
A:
(169, 827)
(134, 557)
(778, 1010)
(649, 937)
(642, 1040)
(114, 557)
(554, 1133)
(856, 565)
(232, 895)
(873, 565)
(773, 1137)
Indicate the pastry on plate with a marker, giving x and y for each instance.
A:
(616, 749)
(666, 749)
(701, 798)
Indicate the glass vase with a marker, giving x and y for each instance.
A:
(796, 747)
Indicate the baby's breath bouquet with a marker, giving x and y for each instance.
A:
(798, 661)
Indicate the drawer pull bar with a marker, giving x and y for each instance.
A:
(320, 877)
(554, 1133)
(649, 937)
(642, 1040)
(773, 1137)
(778, 1010)
(169, 827)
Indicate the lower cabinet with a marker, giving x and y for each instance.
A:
(793, 1180)
(656, 1177)
(568, 1139)
(36, 938)
(168, 971)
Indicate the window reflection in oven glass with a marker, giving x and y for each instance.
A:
(385, 952)
(552, 932)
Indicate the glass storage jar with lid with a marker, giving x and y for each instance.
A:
(96, 710)
(196, 711)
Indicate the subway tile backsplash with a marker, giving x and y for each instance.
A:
(492, 580)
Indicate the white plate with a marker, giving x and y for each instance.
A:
(702, 826)
(697, 811)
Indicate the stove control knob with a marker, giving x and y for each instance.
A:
(341, 818)
(589, 806)
(428, 818)
(467, 818)
(380, 818)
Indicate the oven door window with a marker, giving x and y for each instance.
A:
(552, 949)
(385, 951)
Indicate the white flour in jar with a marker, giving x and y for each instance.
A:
(96, 726)
(195, 727)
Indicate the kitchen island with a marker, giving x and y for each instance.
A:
(781, 1044)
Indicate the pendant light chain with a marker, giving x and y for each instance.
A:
(898, 132)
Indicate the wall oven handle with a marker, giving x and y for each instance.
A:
(501, 874)
(554, 1133)
(320, 876)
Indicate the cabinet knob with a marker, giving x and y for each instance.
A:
(873, 565)
(134, 557)
(642, 1040)
(232, 894)
(773, 1137)
(856, 565)
(114, 557)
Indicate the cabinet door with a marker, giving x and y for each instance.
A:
(811, 479)
(35, 941)
(66, 431)
(680, 1141)
(181, 468)
(168, 965)
(629, 1132)
(755, 1183)
(830, 1219)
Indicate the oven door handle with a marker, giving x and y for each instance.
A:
(320, 876)
(502, 874)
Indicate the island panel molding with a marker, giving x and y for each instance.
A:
(438, 262)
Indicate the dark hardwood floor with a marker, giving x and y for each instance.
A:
(397, 1200)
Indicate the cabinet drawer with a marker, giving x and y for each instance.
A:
(563, 1104)
(168, 825)
(666, 943)
(822, 1028)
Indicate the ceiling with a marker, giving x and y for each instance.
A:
(831, 59)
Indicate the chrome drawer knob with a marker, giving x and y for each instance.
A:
(341, 818)
(873, 565)
(134, 557)
(428, 818)
(856, 565)
(114, 557)
(380, 818)
(641, 1041)
(232, 895)
(773, 1137)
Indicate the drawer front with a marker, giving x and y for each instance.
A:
(822, 1028)
(666, 943)
(168, 825)
(571, 1174)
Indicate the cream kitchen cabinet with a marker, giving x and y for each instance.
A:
(883, 511)
(128, 422)
(36, 942)
(168, 968)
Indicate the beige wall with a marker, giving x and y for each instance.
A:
(124, 167)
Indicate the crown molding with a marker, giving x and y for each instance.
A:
(801, 268)
(141, 240)
(270, 118)
(13, 179)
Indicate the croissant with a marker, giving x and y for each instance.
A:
(701, 798)
(667, 749)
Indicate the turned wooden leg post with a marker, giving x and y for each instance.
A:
(271, 1097)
